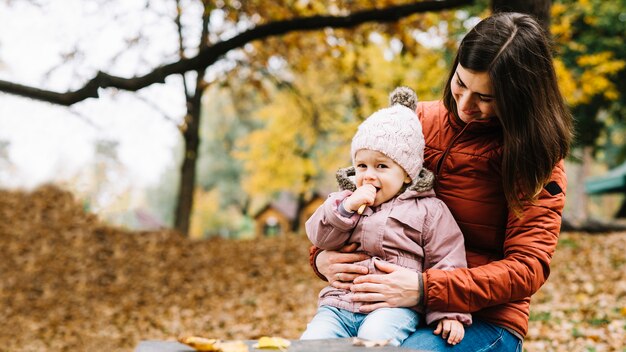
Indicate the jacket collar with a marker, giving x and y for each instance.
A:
(475, 126)
(345, 181)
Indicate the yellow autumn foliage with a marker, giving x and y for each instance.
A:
(567, 82)
(561, 25)
(594, 78)
(205, 203)
(593, 73)
(307, 127)
(602, 62)
(209, 215)
(276, 155)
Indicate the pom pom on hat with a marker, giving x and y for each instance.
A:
(404, 96)
(396, 132)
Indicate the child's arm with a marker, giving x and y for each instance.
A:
(451, 330)
(330, 227)
(444, 248)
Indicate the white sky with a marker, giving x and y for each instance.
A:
(52, 143)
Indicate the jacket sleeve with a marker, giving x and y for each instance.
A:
(313, 252)
(444, 250)
(327, 228)
(529, 243)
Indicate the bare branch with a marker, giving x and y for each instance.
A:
(209, 55)
(181, 44)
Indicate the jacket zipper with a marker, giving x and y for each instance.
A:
(447, 151)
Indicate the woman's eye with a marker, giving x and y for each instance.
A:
(486, 100)
(459, 83)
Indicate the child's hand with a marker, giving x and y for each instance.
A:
(362, 195)
(450, 329)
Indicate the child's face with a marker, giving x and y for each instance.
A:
(380, 171)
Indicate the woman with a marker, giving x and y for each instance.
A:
(496, 144)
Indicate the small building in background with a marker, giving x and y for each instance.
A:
(278, 217)
(271, 221)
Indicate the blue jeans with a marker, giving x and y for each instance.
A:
(480, 336)
(394, 324)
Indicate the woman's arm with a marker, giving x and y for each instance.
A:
(528, 247)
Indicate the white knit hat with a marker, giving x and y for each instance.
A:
(396, 132)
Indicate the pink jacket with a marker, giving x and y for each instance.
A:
(413, 230)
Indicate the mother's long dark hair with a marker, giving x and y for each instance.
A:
(537, 126)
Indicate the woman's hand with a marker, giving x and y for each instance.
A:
(451, 330)
(398, 288)
(339, 268)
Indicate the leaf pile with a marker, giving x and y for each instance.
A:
(69, 282)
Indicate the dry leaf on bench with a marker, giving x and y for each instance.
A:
(213, 345)
(200, 343)
(272, 343)
(233, 346)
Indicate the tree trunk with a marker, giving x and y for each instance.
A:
(540, 9)
(621, 213)
(190, 130)
(581, 209)
(295, 224)
(191, 136)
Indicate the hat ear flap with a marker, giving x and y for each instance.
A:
(343, 178)
(424, 181)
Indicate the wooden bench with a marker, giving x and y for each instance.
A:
(331, 345)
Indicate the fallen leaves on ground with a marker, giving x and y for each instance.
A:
(581, 306)
(69, 282)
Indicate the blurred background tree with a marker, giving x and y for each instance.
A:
(591, 58)
(591, 62)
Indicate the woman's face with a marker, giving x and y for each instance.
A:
(473, 94)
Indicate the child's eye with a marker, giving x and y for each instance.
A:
(382, 166)
(361, 166)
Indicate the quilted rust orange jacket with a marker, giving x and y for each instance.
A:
(508, 256)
